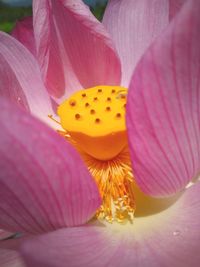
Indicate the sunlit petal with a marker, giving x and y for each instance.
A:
(168, 238)
(163, 111)
(44, 185)
(74, 50)
(20, 79)
(133, 25)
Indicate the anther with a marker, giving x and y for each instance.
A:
(113, 91)
(123, 96)
(108, 99)
(95, 98)
(72, 103)
(92, 111)
(124, 105)
(87, 104)
(77, 116)
(99, 90)
(83, 95)
(108, 109)
(51, 117)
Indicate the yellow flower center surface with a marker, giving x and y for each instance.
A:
(95, 118)
(94, 123)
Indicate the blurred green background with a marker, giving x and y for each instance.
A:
(11, 11)
(9, 15)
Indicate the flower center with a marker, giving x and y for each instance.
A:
(94, 121)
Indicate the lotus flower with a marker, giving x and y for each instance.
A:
(46, 189)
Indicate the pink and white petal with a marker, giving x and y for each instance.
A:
(163, 110)
(74, 50)
(23, 32)
(168, 238)
(133, 25)
(174, 7)
(44, 184)
(10, 258)
(20, 78)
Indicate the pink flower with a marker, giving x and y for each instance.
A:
(45, 188)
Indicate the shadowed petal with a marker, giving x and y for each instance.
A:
(10, 258)
(175, 6)
(20, 79)
(9, 255)
(23, 32)
(74, 50)
(169, 238)
(5, 234)
(163, 110)
(44, 185)
(133, 25)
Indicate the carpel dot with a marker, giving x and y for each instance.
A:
(118, 115)
(77, 116)
(92, 111)
(97, 120)
(103, 136)
(72, 103)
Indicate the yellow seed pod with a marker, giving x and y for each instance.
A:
(95, 119)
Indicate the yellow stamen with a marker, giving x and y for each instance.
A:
(94, 121)
(115, 183)
(53, 119)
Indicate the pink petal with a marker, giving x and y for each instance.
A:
(10, 258)
(164, 108)
(20, 79)
(44, 185)
(175, 6)
(168, 238)
(133, 25)
(23, 32)
(74, 50)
